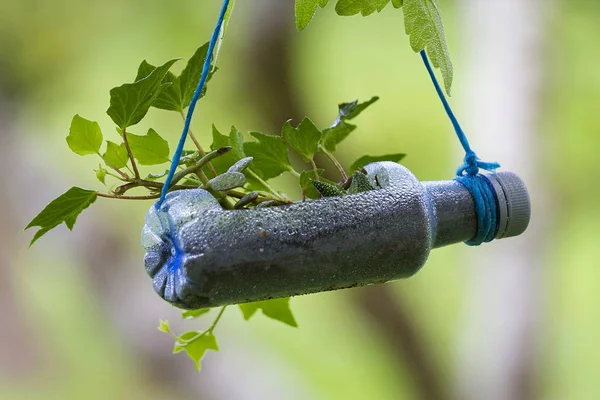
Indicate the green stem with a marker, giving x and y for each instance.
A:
(199, 147)
(272, 190)
(216, 321)
(130, 154)
(335, 162)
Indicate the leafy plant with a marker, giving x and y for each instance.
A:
(238, 167)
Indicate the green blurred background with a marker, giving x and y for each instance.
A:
(511, 320)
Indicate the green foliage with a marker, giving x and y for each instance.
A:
(66, 208)
(364, 7)
(277, 309)
(150, 149)
(115, 155)
(340, 129)
(130, 102)
(180, 90)
(423, 23)
(364, 160)
(306, 178)
(191, 314)
(196, 344)
(85, 137)
(305, 11)
(303, 139)
(270, 155)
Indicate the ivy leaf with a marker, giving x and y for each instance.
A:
(225, 161)
(327, 189)
(336, 134)
(101, 174)
(270, 155)
(85, 136)
(347, 111)
(66, 208)
(364, 160)
(277, 309)
(340, 129)
(305, 183)
(116, 155)
(305, 11)
(227, 181)
(150, 149)
(191, 314)
(236, 141)
(303, 139)
(198, 345)
(130, 102)
(365, 7)
(178, 95)
(423, 23)
(164, 326)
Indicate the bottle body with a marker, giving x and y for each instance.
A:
(200, 255)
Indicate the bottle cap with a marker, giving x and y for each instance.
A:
(513, 201)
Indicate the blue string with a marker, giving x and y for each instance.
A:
(468, 174)
(192, 107)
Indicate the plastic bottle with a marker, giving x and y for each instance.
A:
(200, 255)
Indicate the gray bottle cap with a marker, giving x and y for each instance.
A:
(514, 203)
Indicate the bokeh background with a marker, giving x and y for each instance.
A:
(515, 319)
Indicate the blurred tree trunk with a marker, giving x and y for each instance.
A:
(503, 71)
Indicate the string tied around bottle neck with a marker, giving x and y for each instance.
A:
(468, 173)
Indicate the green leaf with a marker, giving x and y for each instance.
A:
(197, 346)
(364, 160)
(164, 326)
(340, 129)
(150, 149)
(227, 181)
(336, 134)
(360, 183)
(423, 23)
(101, 174)
(236, 141)
(225, 161)
(115, 155)
(277, 309)
(270, 155)
(85, 136)
(305, 183)
(365, 7)
(353, 109)
(178, 95)
(153, 177)
(326, 189)
(66, 208)
(191, 314)
(130, 102)
(303, 139)
(305, 11)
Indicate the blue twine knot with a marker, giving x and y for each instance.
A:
(468, 175)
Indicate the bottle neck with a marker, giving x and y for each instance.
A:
(453, 212)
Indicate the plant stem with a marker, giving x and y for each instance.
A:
(214, 324)
(335, 162)
(133, 165)
(315, 168)
(112, 196)
(277, 196)
(199, 147)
